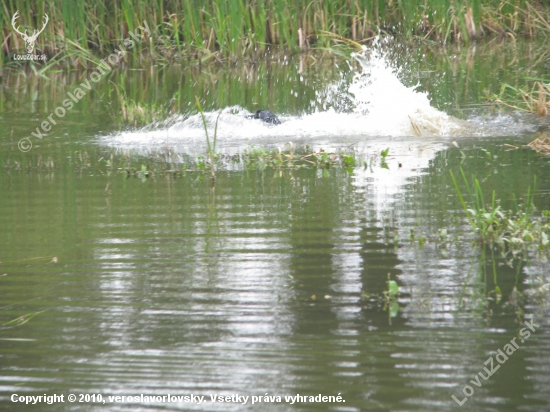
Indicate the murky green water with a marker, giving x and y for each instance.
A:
(270, 282)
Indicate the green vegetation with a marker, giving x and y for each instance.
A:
(216, 29)
(383, 156)
(390, 299)
(534, 98)
(387, 300)
(280, 159)
(285, 157)
(133, 113)
(210, 143)
(21, 320)
(511, 231)
(160, 162)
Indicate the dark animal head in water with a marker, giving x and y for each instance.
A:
(266, 116)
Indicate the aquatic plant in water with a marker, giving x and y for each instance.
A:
(511, 231)
(390, 299)
(210, 144)
(285, 157)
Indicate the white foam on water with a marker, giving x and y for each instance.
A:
(376, 104)
(392, 108)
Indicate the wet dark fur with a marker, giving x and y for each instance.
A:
(266, 116)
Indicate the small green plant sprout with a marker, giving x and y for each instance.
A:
(390, 299)
(349, 162)
(496, 294)
(365, 295)
(383, 155)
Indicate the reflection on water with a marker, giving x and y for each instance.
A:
(259, 285)
(363, 102)
(271, 281)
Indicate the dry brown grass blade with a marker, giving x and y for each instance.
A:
(415, 127)
(526, 98)
(541, 144)
(541, 18)
(470, 24)
(342, 39)
(542, 109)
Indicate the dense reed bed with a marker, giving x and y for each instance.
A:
(218, 29)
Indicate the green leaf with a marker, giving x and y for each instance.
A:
(394, 309)
(544, 239)
(498, 293)
(349, 161)
(393, 287)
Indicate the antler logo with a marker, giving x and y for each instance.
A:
(30, 40)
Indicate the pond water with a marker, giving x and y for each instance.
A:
(271, 281)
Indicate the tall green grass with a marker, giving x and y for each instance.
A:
(231, 28)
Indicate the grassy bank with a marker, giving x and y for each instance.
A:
(215, 29)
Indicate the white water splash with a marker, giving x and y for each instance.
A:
(374, 104)
(393, 109)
